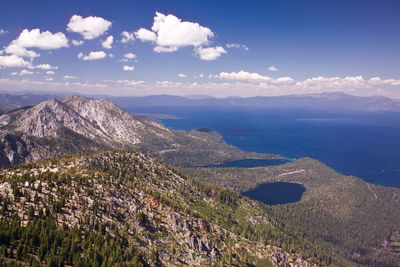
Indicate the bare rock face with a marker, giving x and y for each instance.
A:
(114, 122)
(13, 149)
(91, 118)
(45, 118)
(54, 127)
(20, 148)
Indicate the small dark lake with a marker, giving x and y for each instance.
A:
(249, 163)
(276, 193)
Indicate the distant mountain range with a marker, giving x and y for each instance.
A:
(313, 101)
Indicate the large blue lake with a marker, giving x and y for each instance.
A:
(361, 143)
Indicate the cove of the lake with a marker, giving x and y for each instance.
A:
(276, 193)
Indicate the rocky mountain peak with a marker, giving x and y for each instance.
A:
(72, 98)
(108, 117)
(92, 118)
(81, 104)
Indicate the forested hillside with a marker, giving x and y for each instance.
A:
(124, 207)
(357, 220)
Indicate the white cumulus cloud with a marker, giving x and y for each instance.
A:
(236, 45)
(272, 68)
(334, 82)
(46, 67)
(49, 72)
(244, 76)
(379, 81)
(42, 40)
(92, 55)
(181, 75)
(129, 82)
(282, 80)
(107, 44)
(146, 35)
(26, 72)
(130, 56)
(90, 27)
(36, 39)
(170, 33)
(13, 61)
(3, 31)
(210, 53)
(126, 37)
(161, 49)
(254, 77)
(128, 68)
(20, 51)
(22, 72)
(67, 77)
(77, 43)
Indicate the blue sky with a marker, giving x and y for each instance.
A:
(219, 48)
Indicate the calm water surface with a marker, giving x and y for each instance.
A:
(276, 193)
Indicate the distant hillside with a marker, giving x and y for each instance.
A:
(312, 101)
(76, 124)
(10, 101)
(127, 209)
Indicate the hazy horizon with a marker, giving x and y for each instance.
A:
(192, 96)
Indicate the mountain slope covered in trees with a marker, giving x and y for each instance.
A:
(124, 207)
(358, 220)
